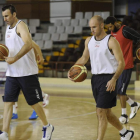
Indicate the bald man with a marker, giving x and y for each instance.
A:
(107, 64)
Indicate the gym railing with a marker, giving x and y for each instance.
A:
(55, 67)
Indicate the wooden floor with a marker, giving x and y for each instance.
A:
(74, 118)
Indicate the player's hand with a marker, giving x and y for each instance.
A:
(69, 77)
(10, 60)
(40, 60)
(111, 85)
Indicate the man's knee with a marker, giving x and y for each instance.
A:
(9, 103)
(101, 113)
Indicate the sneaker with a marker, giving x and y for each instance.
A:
(134, 108)
(128, 135)
(3, 136)
(45, 100)
(47, 132)
(14, 116)
(33, 116)
(124, 119)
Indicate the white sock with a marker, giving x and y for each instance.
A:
(123, 111)
(15, 109)
(123, 131)
(16, 104)
(43, 94)
(130, 101)
(47, 125)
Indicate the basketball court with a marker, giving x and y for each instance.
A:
(72, 112)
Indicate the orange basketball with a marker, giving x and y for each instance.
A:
(138, 53)
(4, 51)
(78, 73)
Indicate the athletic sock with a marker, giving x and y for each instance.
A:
(43, 94)
(123, 131)
(123, 111)
(47, 125)
(130, 101)
(15, 109)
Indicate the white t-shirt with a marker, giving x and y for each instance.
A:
(26, 65)
(102, 61)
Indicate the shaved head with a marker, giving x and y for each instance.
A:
(96, 25)
(97, 18)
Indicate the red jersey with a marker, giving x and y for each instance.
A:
(126, 47)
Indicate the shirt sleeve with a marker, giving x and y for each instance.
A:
(130, 33)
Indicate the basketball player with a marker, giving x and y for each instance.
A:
(107, 64)
(125, 36)
(21, 72)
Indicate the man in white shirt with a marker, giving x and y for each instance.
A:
(107, 64)
(21, 72)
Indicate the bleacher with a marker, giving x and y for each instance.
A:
(63, 43)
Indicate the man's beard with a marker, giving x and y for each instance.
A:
(115, 29)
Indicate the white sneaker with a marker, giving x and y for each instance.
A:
(128, 135)
(3, 136)
(45, 100)
(134, 108)
(124, 119)
(47, 132)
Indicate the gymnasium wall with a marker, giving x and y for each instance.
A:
(32, 9)
(45, 9)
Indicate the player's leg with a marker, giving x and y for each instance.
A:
(113, 120)
(10, 96)
(102, 122)
(122, 85)
(45, 103)
(134, 107)
(124, 117)
(104, 101)
(15, 115)
(33, 96)
(8, 107)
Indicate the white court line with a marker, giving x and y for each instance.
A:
(75, 115)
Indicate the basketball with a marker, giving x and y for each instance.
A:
(137, 55)
(3, 52)
(78, 73)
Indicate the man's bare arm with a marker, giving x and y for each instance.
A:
(38, 53)
(115, 47)
(23, 31)
(84, 58)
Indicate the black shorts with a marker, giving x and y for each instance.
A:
(28, 84)
(123, 81)
(103, 98)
